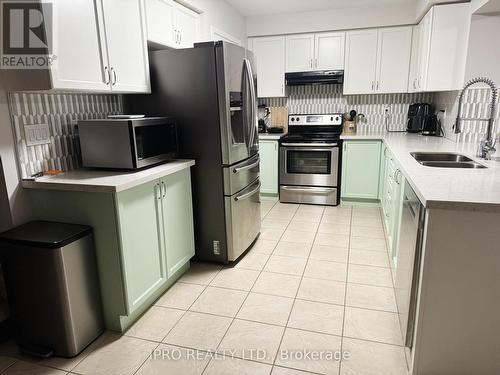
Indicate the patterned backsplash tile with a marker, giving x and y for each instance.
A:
(60, 112)
(329, 99)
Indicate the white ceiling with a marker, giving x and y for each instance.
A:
(250, 8)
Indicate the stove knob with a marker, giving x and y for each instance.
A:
(331, 118)
(293, 118)
(298, 119)
(337, 118)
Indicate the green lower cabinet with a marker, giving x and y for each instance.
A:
(268, 151)
(361, 170)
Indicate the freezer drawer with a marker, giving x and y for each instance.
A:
(242, 220)
(240, 175)
(309, 195)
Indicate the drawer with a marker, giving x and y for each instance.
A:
(239, 176)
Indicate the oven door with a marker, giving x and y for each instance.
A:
(309, 164)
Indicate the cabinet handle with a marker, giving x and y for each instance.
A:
(316, 63)
(373, 85)
(311, 63)
(113, 71)
(180, 37)
(107, 77)
(157, 191)
(377, 86)
(163, 189)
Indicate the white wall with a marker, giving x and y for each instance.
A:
(11, 189)
(483, 57)
(339, 19)
(221, 15)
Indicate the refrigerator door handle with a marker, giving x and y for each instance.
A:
(253, 97)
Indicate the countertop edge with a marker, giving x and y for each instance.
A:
(107, 188)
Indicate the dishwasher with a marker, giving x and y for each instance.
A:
(407, 273)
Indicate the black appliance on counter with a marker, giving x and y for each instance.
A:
(418, 116)
(310, 158)
(432, 126)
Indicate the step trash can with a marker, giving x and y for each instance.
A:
(52, 287)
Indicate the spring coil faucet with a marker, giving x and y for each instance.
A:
(487, 145)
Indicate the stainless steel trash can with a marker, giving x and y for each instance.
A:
(52, 286)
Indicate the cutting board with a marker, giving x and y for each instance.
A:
(279, 117)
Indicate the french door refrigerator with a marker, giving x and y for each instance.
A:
(211, 91)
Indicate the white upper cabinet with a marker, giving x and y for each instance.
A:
(82, 67)
(171, 24)
(329, 51)
(270, 60)
(393, 62)
(299, 52)
(377, 60)
(360, 61)
(127, 48)
(413, 76)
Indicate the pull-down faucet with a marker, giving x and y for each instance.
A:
(487, 144)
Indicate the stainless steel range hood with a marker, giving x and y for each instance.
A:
(318, 77)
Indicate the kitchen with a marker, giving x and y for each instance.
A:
(371, 246)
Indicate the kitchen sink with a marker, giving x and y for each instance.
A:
(445, 160)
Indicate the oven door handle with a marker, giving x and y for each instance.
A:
(310, 144)
(309, 189)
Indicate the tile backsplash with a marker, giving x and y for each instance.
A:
(60, 112)
(329, 99)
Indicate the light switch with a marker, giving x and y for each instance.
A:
(37, 134)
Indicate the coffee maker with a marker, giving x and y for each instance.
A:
(433, 126)
(418, 117)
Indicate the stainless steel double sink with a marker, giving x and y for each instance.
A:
(445, 160)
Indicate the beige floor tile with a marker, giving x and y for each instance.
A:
(372, 325)
(321, 269)
(180, 295)
(266, 309)
(341, 220)
(288, 371)
(303, 226)
(371, 297)
(243, 338)
(235, 278)
(116, 356)
(362, 221)
(200, 273)
(199, 331)
(282, 215)
(295, 340)
(338, 240)
(168, 359)
(287, 265)
(322, 291)
(155, 323)
(279, 224)
(253, 261)
(293, 249)
(371, 244)
(298, 236)
(369, 275)
(373, 358)
(316, 316)
(271, 233)
(26, 368)
(308, 208)
(262, 246)
(225, 302)
(308, 217)
(366, 211)
(339, 208)
(277, 284)
(369, 258)
(329, 253)
(233, 366)
(334, 228)
(358, 231)
(6, 362)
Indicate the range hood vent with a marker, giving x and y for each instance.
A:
(319, 77)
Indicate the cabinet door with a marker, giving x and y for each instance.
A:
(299, 52)
(424, 49)
(127, 46)
(361, 61)
(268, 167)
(187, 24)
(393, 59)
(414, 60)
(329, 50)
(81, 67)
(160, 19)
(141, 232)
(177, 210)
(270, 61)
(360, 169)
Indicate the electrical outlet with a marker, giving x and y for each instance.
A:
(37, 134)
(387, 110)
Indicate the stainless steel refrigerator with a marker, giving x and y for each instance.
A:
(211, 91)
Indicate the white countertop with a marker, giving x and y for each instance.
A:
(451, 188)
(270, 136)
(91, 180)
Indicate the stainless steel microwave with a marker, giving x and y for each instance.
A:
(127, 143)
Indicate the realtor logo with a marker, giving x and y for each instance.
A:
(27, 35)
